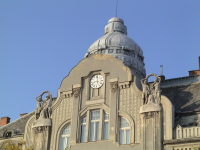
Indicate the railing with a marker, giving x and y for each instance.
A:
(184, 148)
(187, 132)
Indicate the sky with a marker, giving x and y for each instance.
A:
(41, 41)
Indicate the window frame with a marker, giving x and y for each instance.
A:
(124, 129)
(87, 112)
(66, 136)
(81, 124)
(105, 120)
(95, 121)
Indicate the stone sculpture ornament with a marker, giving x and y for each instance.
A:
(42, 112)
(43, 108)
(146, 90)
(151, 95)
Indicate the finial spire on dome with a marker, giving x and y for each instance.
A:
(116, 8)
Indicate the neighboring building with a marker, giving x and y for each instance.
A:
(106, 102)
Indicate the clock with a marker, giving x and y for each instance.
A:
(96, 81)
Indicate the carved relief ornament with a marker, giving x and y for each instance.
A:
(76, 92)
(113, 86)
(39, 129)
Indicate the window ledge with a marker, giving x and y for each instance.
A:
(91, 102)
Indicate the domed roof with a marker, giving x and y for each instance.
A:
(115, 36)
(116, 42)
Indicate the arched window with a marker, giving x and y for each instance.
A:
(124, 131)
(94, 125)
(106, 124)
(64, 139)
(83, 129)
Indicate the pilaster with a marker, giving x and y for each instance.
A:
(75, 114)
(113, 109)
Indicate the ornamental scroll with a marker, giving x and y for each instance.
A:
(151, 95)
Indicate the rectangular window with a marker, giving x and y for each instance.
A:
(126, 52)
(110, 51)
(83, 129)
(127, 136)
(94, 125)
(106, 124)
(118, 51)
(121, 136)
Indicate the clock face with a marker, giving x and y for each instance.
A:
(96, 81)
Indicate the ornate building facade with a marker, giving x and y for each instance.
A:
(107, 102)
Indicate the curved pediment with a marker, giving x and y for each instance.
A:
(99, 62)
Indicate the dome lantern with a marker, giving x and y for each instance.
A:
(116, 42)
(115, 25)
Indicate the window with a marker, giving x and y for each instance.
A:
(64, 141)
(124, 131)
(110, 51)
(133, 54)
(94, 125)
(83, 129)
(118, 51)
(126, 52)
(106, 124)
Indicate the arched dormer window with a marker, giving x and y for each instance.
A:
(65, 137)
(124, 131)
(8, 134)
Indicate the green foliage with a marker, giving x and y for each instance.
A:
(196, 148)
(9, 145)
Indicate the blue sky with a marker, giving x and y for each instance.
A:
(41, 41)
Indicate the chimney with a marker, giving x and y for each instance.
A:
(21, 115)
(161, 73)
(161, 70)
(195, 72)
(4, 121)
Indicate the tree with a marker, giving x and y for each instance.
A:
(10, 145)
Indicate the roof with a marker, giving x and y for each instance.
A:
(18, 125)
(184, 97)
